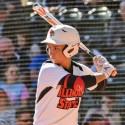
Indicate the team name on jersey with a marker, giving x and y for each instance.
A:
(64, 94)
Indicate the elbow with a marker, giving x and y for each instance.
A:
(101, 86)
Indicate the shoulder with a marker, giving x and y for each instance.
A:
(77, 64)
(82, 67)
(48, 68)
(48, 65)
(50, 74)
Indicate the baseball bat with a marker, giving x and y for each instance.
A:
(46, 15)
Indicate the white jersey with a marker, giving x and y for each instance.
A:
(57, 106)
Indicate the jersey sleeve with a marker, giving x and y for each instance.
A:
(98, 87)
(50, 74)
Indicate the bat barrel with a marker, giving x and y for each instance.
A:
(45, 14)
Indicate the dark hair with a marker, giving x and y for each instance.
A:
(22, 110)
(6, 68)
(26, 33)
(4, 93)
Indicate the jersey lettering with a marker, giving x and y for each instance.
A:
(69, 93)
(65, 93)
(66, 104)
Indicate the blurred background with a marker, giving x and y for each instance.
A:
(101, 24)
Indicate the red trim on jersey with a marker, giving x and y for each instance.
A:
(79, 84)
(66, 81)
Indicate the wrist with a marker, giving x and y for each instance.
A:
(105, 76)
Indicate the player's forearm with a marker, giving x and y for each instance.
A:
(99, 77)
(70, 81)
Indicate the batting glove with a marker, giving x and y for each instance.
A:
(107, 69)
(99, 61)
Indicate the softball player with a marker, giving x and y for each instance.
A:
(62, 81)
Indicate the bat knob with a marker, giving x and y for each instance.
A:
(114, 73)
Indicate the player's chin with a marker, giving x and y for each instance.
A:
(54, 61)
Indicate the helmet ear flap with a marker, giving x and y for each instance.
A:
(70, 50)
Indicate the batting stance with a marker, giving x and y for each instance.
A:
(62, 81)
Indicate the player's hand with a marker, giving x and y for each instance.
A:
(99, 61)
(107, 69)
